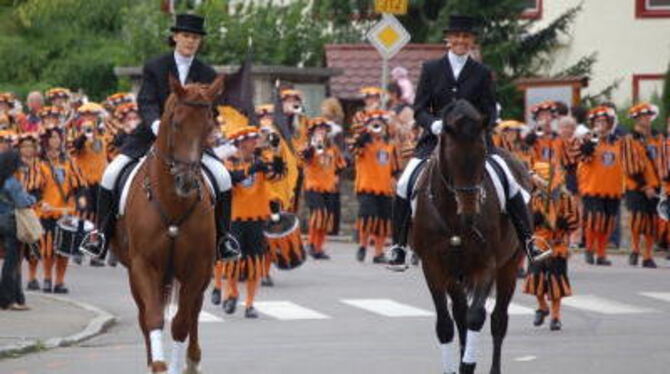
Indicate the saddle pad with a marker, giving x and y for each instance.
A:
(125, 188)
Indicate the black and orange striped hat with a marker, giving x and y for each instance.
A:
(377, 115)
(7, 98)
(265, 110)
(545, 105)
(50, 111)
(601, 112)
(243, 133)
(287, 93)
(27, 136)
(370, 91)
(317, 122)
(123, 109)
(114, 101)
(58, 92)
(642, 109)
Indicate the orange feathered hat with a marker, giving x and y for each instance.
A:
(642, 109)
(601, 112)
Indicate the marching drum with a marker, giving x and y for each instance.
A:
(284, 241)
(70, 232)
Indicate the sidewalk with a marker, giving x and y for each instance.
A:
(52, 322)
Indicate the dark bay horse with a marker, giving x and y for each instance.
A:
(167, 234)
(465, 241)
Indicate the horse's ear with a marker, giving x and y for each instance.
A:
(216, 88)
(175, 86)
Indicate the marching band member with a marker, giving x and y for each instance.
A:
(556, 215)
(32, 179)
(508, 136)
(126, 118)
(7, 138)
(600, 179)
(250, 168)
(52, 116)
(641, 154)
(60, 97)
(543, 138)
(62, 194)
(322, 163)
(376, 164)
(8, 120)
(372, 97)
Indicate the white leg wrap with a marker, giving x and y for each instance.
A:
(178, 357)
(156, 339)
(220, 173)
(450, 357)
(112, 171)
(514, 187)
(472, 347)
(402, 188)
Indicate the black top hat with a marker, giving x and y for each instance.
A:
(189, 23)
(459, 23)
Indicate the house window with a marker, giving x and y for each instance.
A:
(647, 86)
(652, 9)
(532, 9)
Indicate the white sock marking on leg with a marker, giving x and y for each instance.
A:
(156, 339)
(450, 357)
(471, 347)
(178, 357)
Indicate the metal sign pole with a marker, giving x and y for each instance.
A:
(385, 73)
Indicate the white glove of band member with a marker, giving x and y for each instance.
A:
(154, 126)
(436, 127)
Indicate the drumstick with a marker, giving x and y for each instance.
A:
(49, 208)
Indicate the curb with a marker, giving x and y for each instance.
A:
(102, 321)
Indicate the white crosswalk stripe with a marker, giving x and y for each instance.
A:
(204, 317)
(601, 305)
(287, 311)
(663, 296)
(513, 309)
(387, 307)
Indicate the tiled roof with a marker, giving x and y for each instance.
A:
(362, 65)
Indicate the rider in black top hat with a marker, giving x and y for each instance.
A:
(452, 77)
(187, 34)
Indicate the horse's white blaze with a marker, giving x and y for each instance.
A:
(388, 308)
(450, 357)
(156, 339)
(601, 305)
(471, 347)
(178, 357)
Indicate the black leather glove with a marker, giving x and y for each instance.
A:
(274, 140)
(587, 148)
(258, 166)
(278, 165)
(531, 138)
(363, 139)
(308, 153)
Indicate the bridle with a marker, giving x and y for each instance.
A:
(173, 163)
(448, 183)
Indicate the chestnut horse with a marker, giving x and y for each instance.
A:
(465, 241)
(167, 233)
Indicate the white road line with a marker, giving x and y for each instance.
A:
(663, 296)
(287, 311)
(204, 317)
(525, 358)
(387, 308)
(513, 309)
(597, 304)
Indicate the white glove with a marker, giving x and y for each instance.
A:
(436, 127)
(155, 126)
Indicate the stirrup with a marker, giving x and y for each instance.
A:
(92, 248)
(533, 258)
(394, 262)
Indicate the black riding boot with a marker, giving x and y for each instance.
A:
(520, 216)
(402, 211)
(225, 250)
(96, 243)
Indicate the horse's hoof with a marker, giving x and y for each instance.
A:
(192, 367)
(467, 368)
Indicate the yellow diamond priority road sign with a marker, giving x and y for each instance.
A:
(388, 36)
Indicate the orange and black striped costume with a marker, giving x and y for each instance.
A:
(54, 205)
(556, 216)
(321, 189)
(91, 157)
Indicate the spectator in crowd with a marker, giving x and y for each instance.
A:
(32, 121)
(401, 78)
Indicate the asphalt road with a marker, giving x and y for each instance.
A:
(340, 316)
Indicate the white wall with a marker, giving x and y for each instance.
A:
(626, 45)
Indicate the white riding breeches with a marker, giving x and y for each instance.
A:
(403, 187)
(212, 164)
